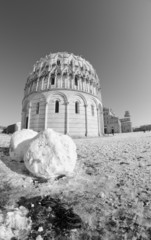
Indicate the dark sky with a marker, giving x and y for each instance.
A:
(113, 35)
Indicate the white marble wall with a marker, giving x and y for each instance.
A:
(67, 121)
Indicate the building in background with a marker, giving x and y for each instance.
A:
(126, 124)
(143, 128)
(63, 93)
(112, 123)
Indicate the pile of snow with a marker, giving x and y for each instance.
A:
(50, 154)
(14, 224)
(19, 143)
(47, 154)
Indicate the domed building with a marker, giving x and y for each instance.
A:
(63, 93)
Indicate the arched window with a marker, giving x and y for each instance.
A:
(92, 110)
(77, 107)
(52, 79)
(58, 62)
(37, 107)
(57, 106)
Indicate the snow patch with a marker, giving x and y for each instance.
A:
(50, 154)
(14, 224)
(19, 142)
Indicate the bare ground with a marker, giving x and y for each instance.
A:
(110, 190)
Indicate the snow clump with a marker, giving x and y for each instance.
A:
(50, 154)
(14, 224)
(19, 143)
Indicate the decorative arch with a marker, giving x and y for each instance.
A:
(56, 111)
(77, 114)
(36, 113)
(94, 101)
(92, 117)
(64, 97)
(81, 96)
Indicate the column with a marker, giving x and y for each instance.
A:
(66, 118)
(101, 120)
(56, 80)
(29, 115)
(48, 82)
(46, 114)
(63, 79)
(37, 84)
(84, 85)
(87, 85)
(98, 120)
(72, 79)
(68, 82)
(79, 84)
(94, 89)
(86, 120)
(59, 81)
(42, 83)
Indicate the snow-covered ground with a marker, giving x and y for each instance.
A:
(110, 190)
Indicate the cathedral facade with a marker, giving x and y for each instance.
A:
(113, 124)
(63, 93)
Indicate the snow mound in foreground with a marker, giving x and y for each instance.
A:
(19, 143)
(14, 224)
(50, 154)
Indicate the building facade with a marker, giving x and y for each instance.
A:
(112, 123)
(63, 93)
(126, 124)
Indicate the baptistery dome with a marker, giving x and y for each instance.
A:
(63, 92)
